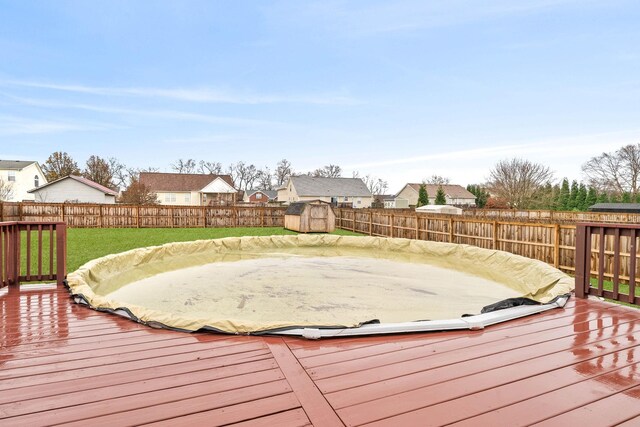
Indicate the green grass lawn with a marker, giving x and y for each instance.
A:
(85, 244)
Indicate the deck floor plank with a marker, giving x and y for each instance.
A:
(64, 363)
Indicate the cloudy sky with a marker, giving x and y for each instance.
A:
(400, 90)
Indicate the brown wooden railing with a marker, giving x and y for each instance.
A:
(77, 215)
(32, 252)
(609, 253)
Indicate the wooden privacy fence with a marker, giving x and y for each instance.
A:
(135, 216)
(607, 251)
(552, 216)
(32, 252)
(553, 243)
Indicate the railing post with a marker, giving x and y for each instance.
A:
(583, 250)
(61, 253)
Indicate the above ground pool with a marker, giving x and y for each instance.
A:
(318, 285)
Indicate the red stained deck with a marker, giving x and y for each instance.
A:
(65, 364)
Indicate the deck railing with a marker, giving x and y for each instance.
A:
(606, 261)
(32, 252)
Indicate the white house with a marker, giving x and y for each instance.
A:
(351, 192)
(74, 189)
(190, 189)
(454, 194)
(21, 176)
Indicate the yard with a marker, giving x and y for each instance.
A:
(85, 244)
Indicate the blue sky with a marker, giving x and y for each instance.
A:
(400, 90)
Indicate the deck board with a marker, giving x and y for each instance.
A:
(64, 363)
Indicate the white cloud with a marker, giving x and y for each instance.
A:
(348, 18)
(10, 125)
(153, 113)
(199, 95)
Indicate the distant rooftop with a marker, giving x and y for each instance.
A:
(331, 187)
(616, 207)
(15, 164)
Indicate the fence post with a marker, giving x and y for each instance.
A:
(370, 222)
(556, 246)
(417, 226)
(495, 235)
(450, 230)
(61, 253)
(13, 255)
(582, 249)
(391, 224)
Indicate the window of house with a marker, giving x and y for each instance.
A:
(258, 196)
(12, 176)
(346, 198)
(170, 198)
(187, 198)
(359, 201)
(36, 181)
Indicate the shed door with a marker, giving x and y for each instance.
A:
(319, 215)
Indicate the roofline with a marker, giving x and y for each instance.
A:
(110, 193)
(26, 166)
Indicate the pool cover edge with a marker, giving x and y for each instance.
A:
(554, 284)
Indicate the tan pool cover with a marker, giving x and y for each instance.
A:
(257, 284)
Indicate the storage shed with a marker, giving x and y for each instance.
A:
(315, 216)
(442, 209)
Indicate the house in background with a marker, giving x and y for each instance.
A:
(73, 189)
(22, 176)
(190, 189)
(393, 202)
(351, 192)
(260, 196)
(455, 195)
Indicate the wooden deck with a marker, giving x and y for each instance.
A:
(66, 364)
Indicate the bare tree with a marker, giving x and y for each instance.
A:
(6, 190)
(243, 175)
(58, 165)
(138, 194)
(517, 180)
(119, 173)
(329, 171)
(214, 168)
(283, 172)
(437, 180)
(264, 179)
(98, 170)
(617, 172)
(376, 185)
(184, 166)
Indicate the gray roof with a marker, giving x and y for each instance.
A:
(271, 194)
(616, 207)
(329, 187)
(15, 164)
(295, 208)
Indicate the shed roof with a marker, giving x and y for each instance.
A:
(296, 208)
(329, 187)
(81, 180)
(160, 181)
(454, 191)
(616, 207)
(15, 164)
